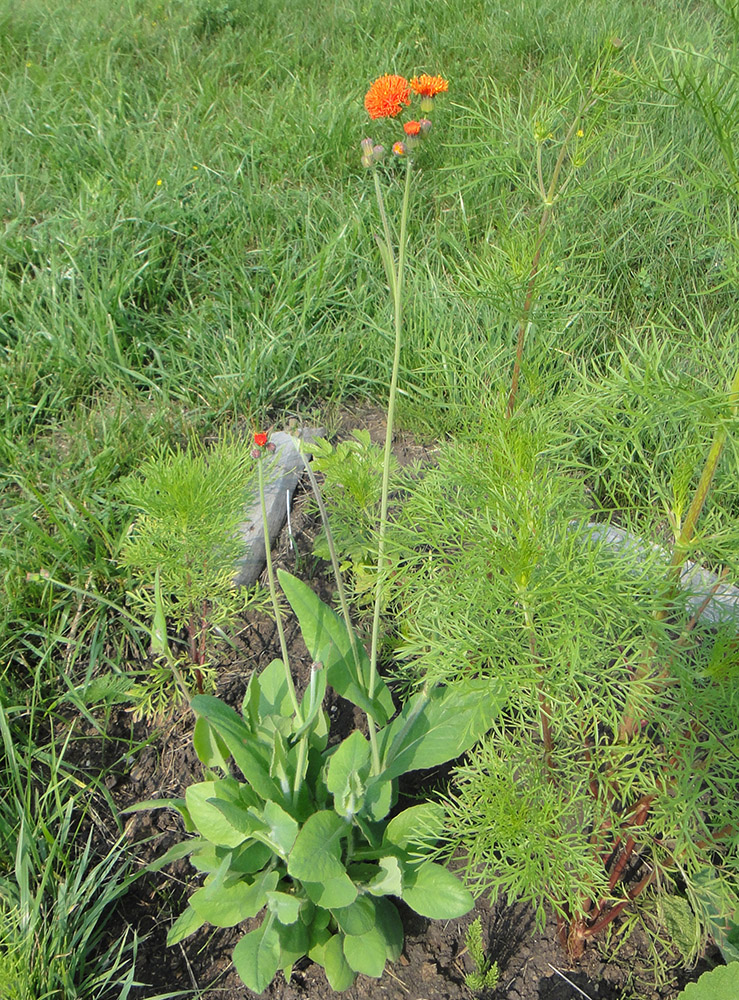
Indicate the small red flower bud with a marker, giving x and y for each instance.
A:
(399, 148)
(256, 453)
(260, 439)
(271, 447)
(425, 125)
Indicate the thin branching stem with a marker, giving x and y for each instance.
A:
(344, 603)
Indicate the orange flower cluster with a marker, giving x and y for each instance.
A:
(429, 86)
(386, 96)
(386, 99)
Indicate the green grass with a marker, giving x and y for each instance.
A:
(187, 242)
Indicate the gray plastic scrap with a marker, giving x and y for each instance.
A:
(697, 582)
(284, 468)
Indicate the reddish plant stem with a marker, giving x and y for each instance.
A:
(611, 914)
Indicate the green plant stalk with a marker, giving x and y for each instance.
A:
(704, 484)
(685, 536)
(548, 197)
(397, 294)
(343, 602)
(273, 593)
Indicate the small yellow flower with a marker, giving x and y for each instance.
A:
(580, 133)
(159, 182)
(194, 166)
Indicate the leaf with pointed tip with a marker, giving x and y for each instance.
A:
(333, 892)
(186, 924)
(438, 726)
(285, 907)
(224, 902)
(256, 957)
(329, 643)
(238, 738)
(316, 854)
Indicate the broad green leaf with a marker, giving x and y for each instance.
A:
(246, 859)
(285, 907)
(439, 726)
(366, 953)
(318, 938)
(256, 957)
(332, 893)
(718, 984)
(277, 829)
(224, 902)
(315, 857)
(294, 942)
(210, 748)
(186, 924)
(203, 800)
(251, 857)
(339, 974)
(329, 643)
(208, 857)
(414, 827)
(389, 879)
(236, 735)
(352, 756)
(389, 922)
(274, 694)
(379, 798)
(346, 773)
(434, 892)
(357, 918)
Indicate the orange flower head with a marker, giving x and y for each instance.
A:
(429, 86)
(399, 148)
(386, 96)
(260, 439)
(412, 128)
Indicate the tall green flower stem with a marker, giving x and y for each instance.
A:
(344, 603)
(273, 592)
(685, 535)
(395, 278)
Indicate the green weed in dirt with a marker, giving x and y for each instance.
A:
(582, 799)
(185, 537)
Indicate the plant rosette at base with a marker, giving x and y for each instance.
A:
(305, 838)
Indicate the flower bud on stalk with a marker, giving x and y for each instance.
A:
(412, 132)
(367, 148)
